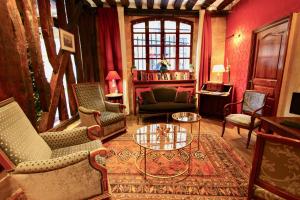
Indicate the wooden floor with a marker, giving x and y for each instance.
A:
(208, 126)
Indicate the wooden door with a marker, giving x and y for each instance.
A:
(267, 62)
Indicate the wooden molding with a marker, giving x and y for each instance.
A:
(150, 4)
(164, 4)
(112, 3)
(138, 4)
(177, 4)
(125, 3)
(207, 3)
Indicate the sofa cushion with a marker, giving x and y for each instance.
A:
(164, 94)
(138, 92)
(108, 118)
(182, 97)
(166, 107)
(148, 97)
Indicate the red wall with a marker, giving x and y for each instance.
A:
(245, 17)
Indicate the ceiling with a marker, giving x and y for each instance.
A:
(212, 5)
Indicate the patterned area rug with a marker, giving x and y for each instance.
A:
(216, 172)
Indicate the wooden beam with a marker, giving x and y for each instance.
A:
(34, 48)
(15, 80)
(138, 4)
(224, 4)
(207, 3)
(112, 3)
(165, 13)
(190, 4)
(150, 4)
(56, 79)
(70, 78)
(177, 4)
(99, 3)
(164, 4)
(47, 31)
(125, 3)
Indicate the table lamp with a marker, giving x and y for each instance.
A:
(219, 69)
(112, 76)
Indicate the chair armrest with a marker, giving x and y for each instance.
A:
(88, 111)
(227, 107)
(38, 166)
(71, 137)
(255, 115)
(114, 107)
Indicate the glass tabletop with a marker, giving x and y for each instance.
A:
(186, 117)
(162, 137)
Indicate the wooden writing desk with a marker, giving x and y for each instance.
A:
(271, 124)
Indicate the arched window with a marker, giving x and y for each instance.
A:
(155, 39)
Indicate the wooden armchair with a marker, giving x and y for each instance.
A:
(275, 173)
(95, 110)
(253, 104)
(51, 165)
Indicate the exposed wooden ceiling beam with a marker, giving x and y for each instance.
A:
(99, 3)
(125, 3)
(150, 4)
(165, 13)
(190, 4)
(164, 4)
(177, 4)
(207, 3)
(112, 3)
(224, 4)
(138, 4)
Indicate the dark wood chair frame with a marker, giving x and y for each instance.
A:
(257, 161)
(254, 115)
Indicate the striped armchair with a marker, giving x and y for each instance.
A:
(53, 165)
(94, 110)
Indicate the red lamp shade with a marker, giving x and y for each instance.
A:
(112, 75)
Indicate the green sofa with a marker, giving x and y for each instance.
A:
(165, 103)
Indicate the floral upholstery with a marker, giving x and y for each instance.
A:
(66, 138)
(91, 102)
(253, 100)
(281, 167)
(242, 119)
(18, 139)
(265, 194)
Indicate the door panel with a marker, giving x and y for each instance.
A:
(268, 62)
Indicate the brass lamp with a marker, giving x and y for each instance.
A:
(219, 70)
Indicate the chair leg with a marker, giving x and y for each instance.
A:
(224, 125)
(249, 138)
(238, 129)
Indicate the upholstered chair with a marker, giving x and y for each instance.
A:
(52, 165)
(95, 110)
(275, 170)
(253, 104)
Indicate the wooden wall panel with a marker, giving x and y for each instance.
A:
(15, 80)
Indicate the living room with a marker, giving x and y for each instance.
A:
(149, 99)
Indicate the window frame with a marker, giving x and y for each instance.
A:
(162, 45)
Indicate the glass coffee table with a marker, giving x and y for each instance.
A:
(189, 117)
(163, 138)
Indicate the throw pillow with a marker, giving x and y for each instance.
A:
(148, 97)
(182, 97)
(189, 90)
(138, 92)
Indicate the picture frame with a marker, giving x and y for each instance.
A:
(67, 41)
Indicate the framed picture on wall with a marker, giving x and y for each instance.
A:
(66, 41)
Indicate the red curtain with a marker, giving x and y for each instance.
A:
(204, 71)
(110, 45)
